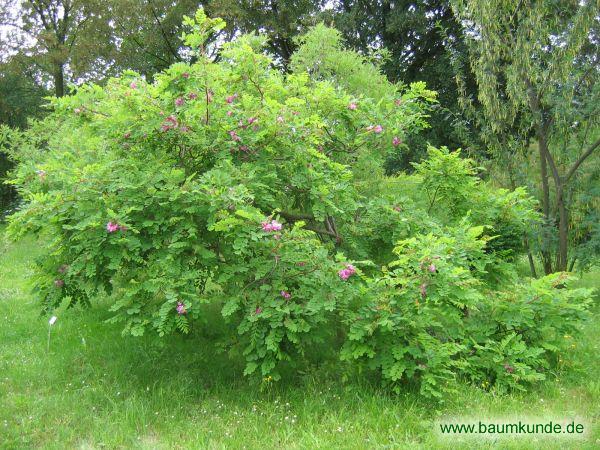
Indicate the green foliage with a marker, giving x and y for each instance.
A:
(454, 190)
(431, 319)
(226, 184)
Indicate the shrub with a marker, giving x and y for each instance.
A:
(431, 319)
(227, 183)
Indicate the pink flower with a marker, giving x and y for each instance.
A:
(180, 308)
(111, 227)
(243, 148)
(179, 101)
(59, 283)
(431, 268)
(509, 368)
(377, 129)
(234, 136)
(285, 294)
(280, 119)
(352, 106)
(258, 310)
(229, 113)
(231, 98)
(169, 123)
(346, 273)
(77, 110)
(271, 226)
(396, 141)
(192, 96)
(184, 129)
(133, 85)
(127, 135)
(185, 75)
(251, 120)
(301, 263)
(398, 102)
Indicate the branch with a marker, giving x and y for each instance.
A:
(262, 95)
(293, 217)
(162, 31)
(132, 36)
(582, 158)
(322, 231)
(329, 223)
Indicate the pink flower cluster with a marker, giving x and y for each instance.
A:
(352, 106)
(231, 98)
(285, 294)
(375, 128)
(179, 101)
(170, 123)
(111, 227)
(271, 226)
(180, 308)
(396, 141)
(346, 273)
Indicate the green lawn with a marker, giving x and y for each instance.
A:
(96, 389)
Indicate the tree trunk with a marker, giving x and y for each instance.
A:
(546, 253)
(563, 231)
(59, 80)
(530, 257)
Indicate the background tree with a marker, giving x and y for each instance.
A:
(149, 33)
(65, 39)
(20, 99)
(280, 20)
(536, 64)
(424, 39)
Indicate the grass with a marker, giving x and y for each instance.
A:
(95, 389)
